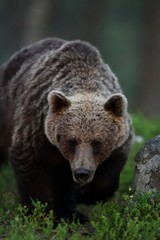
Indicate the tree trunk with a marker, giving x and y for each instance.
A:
(150, 81)
(36, 21)
(95, 22)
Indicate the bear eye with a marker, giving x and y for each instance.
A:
(72, 143)
(96, 144)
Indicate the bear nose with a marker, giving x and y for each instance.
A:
(81, 174)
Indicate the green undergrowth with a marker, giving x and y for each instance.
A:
(124, 217)
(133, 218)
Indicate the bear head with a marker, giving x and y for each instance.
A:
(86, 129)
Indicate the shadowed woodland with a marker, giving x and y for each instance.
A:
(127, 34)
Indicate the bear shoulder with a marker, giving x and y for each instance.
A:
(27, 54)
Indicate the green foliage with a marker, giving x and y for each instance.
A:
(38, 225)
(133, 218)
(146, 127)
(125, 217)
(136, 218)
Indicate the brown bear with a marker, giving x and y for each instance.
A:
(66, 124)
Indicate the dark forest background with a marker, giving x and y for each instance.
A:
(126, 32)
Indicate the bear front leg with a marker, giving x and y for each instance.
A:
(64, 195)
(33, 180)
(37, 180)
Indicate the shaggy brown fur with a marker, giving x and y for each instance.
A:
(66, 123)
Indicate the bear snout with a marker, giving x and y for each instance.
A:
(81, 175)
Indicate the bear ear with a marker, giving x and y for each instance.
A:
(58, 101)
(117, 104)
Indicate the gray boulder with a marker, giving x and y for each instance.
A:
(147, 169)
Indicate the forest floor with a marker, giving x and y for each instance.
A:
(124, 217)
